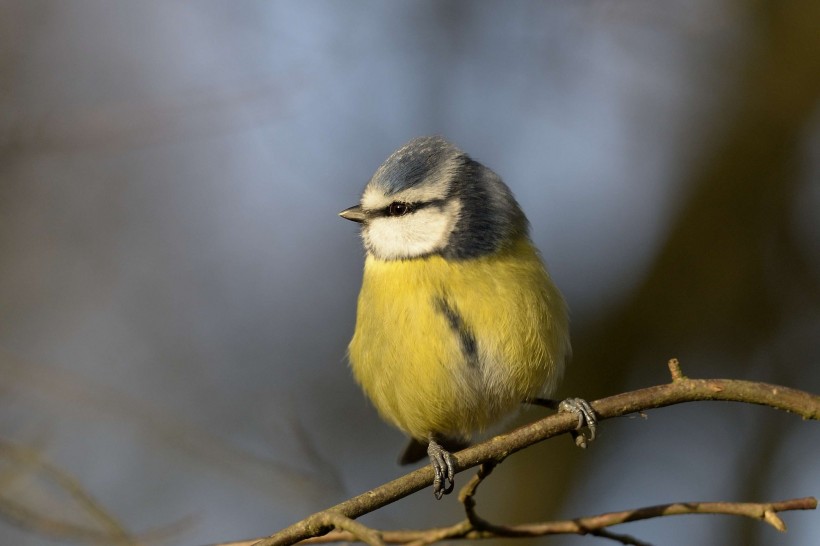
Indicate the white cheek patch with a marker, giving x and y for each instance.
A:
(416, 234)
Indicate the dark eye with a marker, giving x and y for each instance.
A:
(398, 209)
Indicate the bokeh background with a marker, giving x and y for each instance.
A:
(177, 292)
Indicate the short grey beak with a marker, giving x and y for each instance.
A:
(355, 214)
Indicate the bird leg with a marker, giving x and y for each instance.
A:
(444, 468)
(581, 409)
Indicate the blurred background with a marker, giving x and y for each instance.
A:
(177, 290)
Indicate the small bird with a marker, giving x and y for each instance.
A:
(458, 321)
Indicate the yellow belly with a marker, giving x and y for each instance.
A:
(411, 353)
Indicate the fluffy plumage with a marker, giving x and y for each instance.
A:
(409, 355)
(458, 321)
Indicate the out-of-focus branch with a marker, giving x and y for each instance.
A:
(681, 389)
(109, 531)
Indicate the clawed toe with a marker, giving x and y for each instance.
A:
(581, 409)
(444, 469)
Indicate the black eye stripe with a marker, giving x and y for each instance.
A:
(411, 208)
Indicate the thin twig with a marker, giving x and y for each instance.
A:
(591, 525)
(674, 369)
(361, 532)
(467, 498)
(755, 510)
(629, 540)
(681, 390)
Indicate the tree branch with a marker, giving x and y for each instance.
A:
(589, 525)
(680, 390)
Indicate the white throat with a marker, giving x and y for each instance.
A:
(422, 232)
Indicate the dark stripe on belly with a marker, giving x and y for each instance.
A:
(468, 344)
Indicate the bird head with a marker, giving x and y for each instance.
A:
(429, 197)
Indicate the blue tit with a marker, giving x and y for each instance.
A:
(458, 321)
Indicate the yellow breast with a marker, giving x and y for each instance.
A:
(449, 347)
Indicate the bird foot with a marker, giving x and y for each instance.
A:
(444, 468)
(581, 409)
